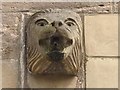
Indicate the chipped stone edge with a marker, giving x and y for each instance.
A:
(22, 63)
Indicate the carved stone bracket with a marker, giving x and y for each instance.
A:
(54, 44)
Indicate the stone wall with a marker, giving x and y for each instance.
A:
(100, 22)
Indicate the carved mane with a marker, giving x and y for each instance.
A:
(39, 63)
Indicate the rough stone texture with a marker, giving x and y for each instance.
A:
(116, 0)
(102, 73)
(36, 5)
(118, 8)
(52, 81)
(10, 20)
(10, 74)
(115, 7)
(10, 36)
(101, 35)
(44, 5)
(0, 74)
(10, 50)
(85, 7)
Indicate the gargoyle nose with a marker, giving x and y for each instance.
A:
(57, 23)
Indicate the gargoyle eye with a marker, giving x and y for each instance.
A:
(41, 22)
(69, 23)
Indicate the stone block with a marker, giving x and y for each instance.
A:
(16, 6)
(11, 20)
(52, 81)
(0, 74)
(101, 35)
(10, 35)
(94, 7)
(10, 44)
(102, 73)
(9, 74)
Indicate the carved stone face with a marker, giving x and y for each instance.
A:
(54, 42)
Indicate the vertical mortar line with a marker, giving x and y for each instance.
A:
(83, 68)
(22, 63)
(84, 49)
(118, 45)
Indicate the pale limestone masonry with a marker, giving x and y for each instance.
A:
(101, 39)
(10, 74)
(52, 81)
(102, 72)
(101, 35)
(101, 44)
(1, 75)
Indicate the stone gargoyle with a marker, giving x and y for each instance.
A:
(54, 42)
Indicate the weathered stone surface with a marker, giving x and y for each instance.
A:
(10, 49)
(37, 5)
(10, 36)
(10, 74)
(10, 44)
(51, 81)
(101, 35)
(102, 73)
(11, 19)
(0, 74)
(115, 7)
(45, 5)
(116, 0)
(118, 7)
(60, 52)
(86, 7)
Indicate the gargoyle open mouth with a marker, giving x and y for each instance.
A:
(56, 44)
